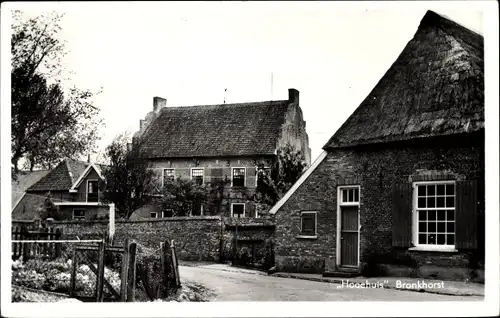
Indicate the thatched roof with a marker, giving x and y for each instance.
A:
(61, 177)
(435, 87)
(215, 130)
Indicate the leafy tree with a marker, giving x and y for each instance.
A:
(48, 122)
(274, 181)
(183, 196)
(129, 178)
(49, 209)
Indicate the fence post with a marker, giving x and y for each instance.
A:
(165, 256)
(58, 245)
(131, 273)
(25, 246)
(100, 274)
(72, 285)
(175, 267)
(124, 274)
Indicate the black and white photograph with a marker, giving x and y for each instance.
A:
(194, 158)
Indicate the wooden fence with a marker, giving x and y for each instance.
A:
(35, 243)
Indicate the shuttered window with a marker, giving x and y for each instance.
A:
(435, 215)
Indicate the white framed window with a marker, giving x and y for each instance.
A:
(197, 175)
(238, 177)
(153, 215)
(237, 210)
(434, 214)
(308, 223)
(349, 195)
(168, 174)
(92, 190)
(197, 210)
(78, 214)
(167, 213)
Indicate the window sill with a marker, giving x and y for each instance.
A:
(307, 237)
(430, 249)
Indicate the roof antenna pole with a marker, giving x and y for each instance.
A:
(272, 82)
(225, 95)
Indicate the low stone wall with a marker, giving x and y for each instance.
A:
(196, 238)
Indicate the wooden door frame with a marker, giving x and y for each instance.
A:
(339, 221)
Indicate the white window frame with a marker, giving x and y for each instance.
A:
(79, 218)
(197, 168)
(244, 176)
(430, 247)
(163, 212)
(201, 211)
(244, 209)
(163, 175)
(339, 215)
(315, 213)
(151, 215)
(87, 192)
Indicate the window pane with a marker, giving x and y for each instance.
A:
(421, 203)
(441, 227)
(238, 177)
(431, 215)
(308, 223)
(421, 191)
(450, 202)
(350, 195)
(440, 189)
(167, 213)
(450, 189)
(441, 239)
(422, 215)
(432, 227)
(450, 227)
(356, 195)
(450, 215)
(422, 239)
(431, 238)
(450, 239)
(441, 215)
(238, 210)
(440, 202)
(431, 202)
(153, 215)
(344, 195)
(422, 226)
(431, 190)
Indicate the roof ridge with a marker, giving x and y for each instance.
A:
(228, 105)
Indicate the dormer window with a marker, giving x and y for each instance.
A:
(92, 191)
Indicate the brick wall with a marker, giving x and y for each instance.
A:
(196, 238)
(375, 169)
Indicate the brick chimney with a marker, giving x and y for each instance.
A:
(158, 103)
(293, 95)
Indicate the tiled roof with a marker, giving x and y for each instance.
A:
(435, 87)
(215, 130)
(25, 179)
(61, 177)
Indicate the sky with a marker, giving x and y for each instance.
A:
(189, 53)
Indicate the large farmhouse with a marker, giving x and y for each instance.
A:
(399, 188)
(214, 142)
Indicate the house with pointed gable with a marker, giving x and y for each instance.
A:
(399, 188)
(74, 188)
(207, 143)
